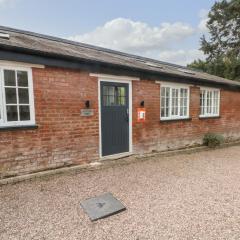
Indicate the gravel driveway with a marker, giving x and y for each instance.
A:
(194, 196)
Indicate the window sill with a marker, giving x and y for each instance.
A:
(12, 128)
(207, 117)
(176, 119)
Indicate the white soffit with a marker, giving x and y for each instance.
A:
(20, 64)
(174, 83)
(113, 77)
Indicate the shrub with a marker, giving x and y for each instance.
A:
(213, 140)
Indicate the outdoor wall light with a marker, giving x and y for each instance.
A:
(142, 103)
(87, 104)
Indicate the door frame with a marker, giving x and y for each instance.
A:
(116, 80)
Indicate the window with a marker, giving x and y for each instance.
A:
(16, 97)
(209, 102)
(174, 102)
(114, 96)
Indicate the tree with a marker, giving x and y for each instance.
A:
(222, 48)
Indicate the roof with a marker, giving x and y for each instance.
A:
(52, 46)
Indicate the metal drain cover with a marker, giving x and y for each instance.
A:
(102, 206)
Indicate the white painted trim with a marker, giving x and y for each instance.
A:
(173, 118)
(178, 86)
(99, 119)
(1, 99)
(130, 114)
(209, 115)
(116, 156)
(4, 35)
(210, 88)
(20, 64)
(173, 84)
(114, 77)
(4, 122)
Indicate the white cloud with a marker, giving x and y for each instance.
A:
(181, 57)
(159, 42)
(7, 3)
(202, 26)
(127, 35)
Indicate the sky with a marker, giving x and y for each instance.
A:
(166, 30)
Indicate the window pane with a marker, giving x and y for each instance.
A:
(24, 113)
(202, 102)
(108, 95)
(181, 111)
(183, 93)
(108, 100)
(162, 102)
(121, 101)
(163, 90)
(11, 95)
(23, 95)
(162, 112)
(165, 101)
(12, 114)
(108, 90)
(121, 91)
(114, 96)
(209, 102)
(174, 102)
(215, 102)
(167, 97)
(183, 102)
(9, 78)
(185, 111)
(175, 93)
(22, 78)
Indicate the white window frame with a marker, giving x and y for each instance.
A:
(207, 115)
(3, 120)
(175, 86)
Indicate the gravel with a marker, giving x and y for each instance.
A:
(194, 196)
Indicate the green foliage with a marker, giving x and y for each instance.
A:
(213, 140)
(224, 29)
(222, 46)
(199, 64)
(226, 68)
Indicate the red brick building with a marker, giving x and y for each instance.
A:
(64, 103)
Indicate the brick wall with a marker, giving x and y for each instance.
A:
(64, 137)
(156, 135)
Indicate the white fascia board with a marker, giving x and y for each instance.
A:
(20, 64)
(113, 77)
(172, 84)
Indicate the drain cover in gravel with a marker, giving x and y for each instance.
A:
(102, 206)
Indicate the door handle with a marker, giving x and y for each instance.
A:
(127, 116)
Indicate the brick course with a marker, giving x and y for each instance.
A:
(64, 137)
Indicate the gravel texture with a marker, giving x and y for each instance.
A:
(194, 196)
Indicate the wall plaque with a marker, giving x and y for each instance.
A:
(87, 112)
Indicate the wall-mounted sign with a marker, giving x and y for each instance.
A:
(141, 114)
(87, 112)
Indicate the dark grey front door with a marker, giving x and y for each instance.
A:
(114, 117)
